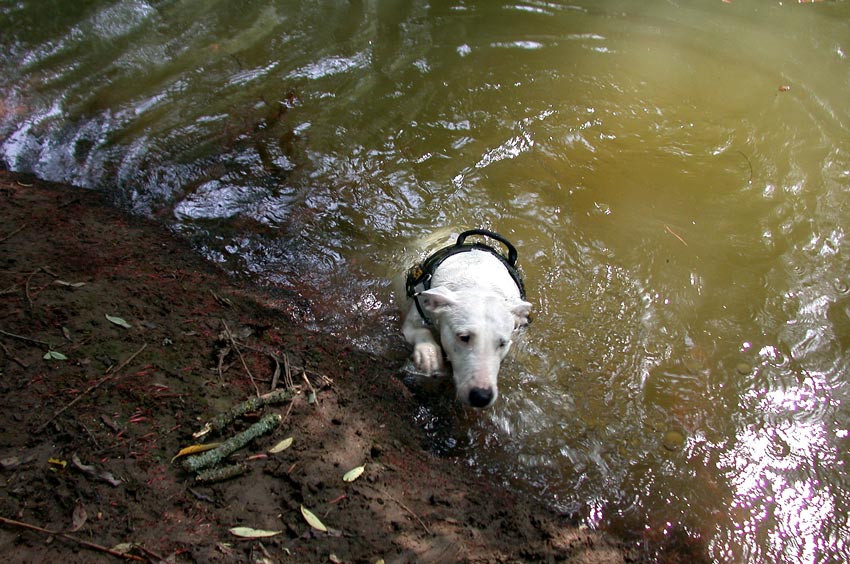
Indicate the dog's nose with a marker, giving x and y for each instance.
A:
(480, 397)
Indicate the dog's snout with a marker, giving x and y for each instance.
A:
(480, 397)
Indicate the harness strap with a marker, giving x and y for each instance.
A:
(421, 274)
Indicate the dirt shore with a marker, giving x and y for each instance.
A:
(93, 411)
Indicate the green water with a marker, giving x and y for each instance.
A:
(676, 176)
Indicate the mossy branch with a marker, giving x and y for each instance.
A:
(265, 425)
(222, 420)
(220, 474)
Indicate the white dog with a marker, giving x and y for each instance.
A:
(473, 298)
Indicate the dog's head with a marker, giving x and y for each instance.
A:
(476, 331)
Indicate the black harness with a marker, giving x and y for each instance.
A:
(419, 277)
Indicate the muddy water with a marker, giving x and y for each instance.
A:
(676, 176)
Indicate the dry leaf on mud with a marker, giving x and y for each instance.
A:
(93, 472)
(118, 321)
(13, 462)
(123, 548)
(57, 462)
(353, 474)
(281, 446)
(194, 449)
(78, 517)
(312, 520)
(249, 533)
(69, 284)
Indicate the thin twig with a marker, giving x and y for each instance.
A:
(156, 557)
(72, 538)
(749, 164)
(287, 372)
(221, 355)
(406, 508)
(287, 366)
(276, 375)
(13, 233)
(88, 390)
(288, 410)
(21, 363)
(238, 352)
(22, 338)
(307, 381)
(676, 235)
(10, 290)
(27, 288)
(27, 285)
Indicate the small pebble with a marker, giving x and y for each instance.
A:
(743, 368)
(673, 440)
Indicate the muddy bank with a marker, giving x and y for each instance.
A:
(92, 411)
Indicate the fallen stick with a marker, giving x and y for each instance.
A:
(88, 390)
(265, 425)
(311, 397)
(276, 375)
(27, 339)
(238, 352)
(16, 359)
(221, 474)
(287, 372)
(406, 508)
(27, 288)
(222, 420)
(13, 233)
(676, 235)
(72, 538)
(288, 382)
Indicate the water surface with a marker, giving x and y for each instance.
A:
(676, 176)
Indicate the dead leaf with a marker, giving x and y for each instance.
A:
(54, 355)
(194, 449)
(78, 517)
(312, 520)
(281, 446)
(123, 548)
(57, 462)
(69, 284)
(93, 472)
(249, 533)
(353, 474)
(118, 321)
(110, 422)
(11, 462)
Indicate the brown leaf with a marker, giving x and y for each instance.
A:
(312, 520)
(194, 449)
(78, 517)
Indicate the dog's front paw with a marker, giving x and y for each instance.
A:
(428, 358)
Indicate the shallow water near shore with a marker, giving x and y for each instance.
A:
(676, 177)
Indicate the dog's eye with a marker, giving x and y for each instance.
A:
(503, 343)
(464, 337)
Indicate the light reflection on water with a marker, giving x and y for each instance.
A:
(676, 179)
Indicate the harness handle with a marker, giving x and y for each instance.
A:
(512, 254)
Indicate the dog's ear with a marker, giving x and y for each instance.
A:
(521, 310)
(436, 299)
